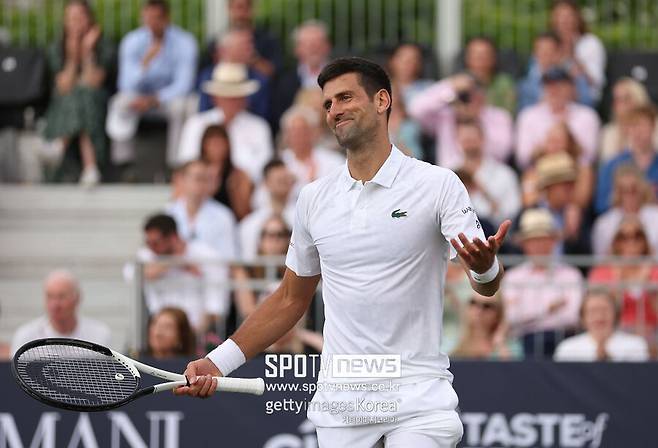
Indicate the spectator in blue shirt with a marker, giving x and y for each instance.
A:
(640, 124)
(237, 46)
(547, 54)
(157, 70)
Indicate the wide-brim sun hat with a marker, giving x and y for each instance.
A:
(230, 80)
(536, 223)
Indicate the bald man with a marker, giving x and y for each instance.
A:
(62, 297)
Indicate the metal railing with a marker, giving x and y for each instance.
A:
(452, 308)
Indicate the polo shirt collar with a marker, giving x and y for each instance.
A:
(385, 175)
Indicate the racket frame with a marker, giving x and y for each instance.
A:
(255, 386)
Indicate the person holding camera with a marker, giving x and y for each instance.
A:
(457, 98)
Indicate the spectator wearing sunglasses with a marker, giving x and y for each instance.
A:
(634, 278)
(485, 331)
(273, 242)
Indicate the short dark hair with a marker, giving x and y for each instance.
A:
(269, 166)
(372, 77)
(549, 35)
(165, 224)
(482, 38)
(162, 4)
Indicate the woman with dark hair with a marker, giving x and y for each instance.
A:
(79, 61)
(232, 186)
(170, 334)
(480, 60)
(633, 276)
(582, 47)
(405, 65)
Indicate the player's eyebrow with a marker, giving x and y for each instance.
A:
(327, 102)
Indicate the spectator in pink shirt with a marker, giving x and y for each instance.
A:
(534, 122)
(542, 295)
(461, 98)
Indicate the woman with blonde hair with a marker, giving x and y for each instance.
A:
(632, 195)
(627, 94)
(485, 332)
(559, 139)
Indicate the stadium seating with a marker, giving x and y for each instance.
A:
(91, 232)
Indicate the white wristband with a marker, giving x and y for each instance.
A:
(487, 276)
(227, 357)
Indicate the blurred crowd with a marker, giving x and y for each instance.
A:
(245, 132)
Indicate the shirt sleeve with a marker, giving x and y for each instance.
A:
(303, 257)
(426, 108)
(130, 69)
(456, 213)
(184, 72)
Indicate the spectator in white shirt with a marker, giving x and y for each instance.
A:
(186, 275)
(201, 218)
(302, 156)
(495, 201)
(62, 294)
(251, 139)
(601, 341)
(277, 200)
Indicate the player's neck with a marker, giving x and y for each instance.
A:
(364, 162)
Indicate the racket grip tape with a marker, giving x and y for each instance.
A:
(255, 386)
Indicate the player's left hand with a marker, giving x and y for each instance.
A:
(479, 255)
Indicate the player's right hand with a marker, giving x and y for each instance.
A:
(200, 375)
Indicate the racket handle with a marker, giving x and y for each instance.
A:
(255, 386)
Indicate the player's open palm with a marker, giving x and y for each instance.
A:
(479, 255)
(200, 375)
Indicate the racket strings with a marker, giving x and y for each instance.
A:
(75, 375)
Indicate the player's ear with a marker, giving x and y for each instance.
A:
(382, 101)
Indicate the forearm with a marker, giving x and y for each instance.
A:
(269, 322)
(490, 288)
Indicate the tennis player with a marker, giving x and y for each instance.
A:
(379, 231)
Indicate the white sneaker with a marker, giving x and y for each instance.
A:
(90, 176)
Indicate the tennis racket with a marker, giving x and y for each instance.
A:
(83, 376)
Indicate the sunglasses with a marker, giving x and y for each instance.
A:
(637, 235)
(483, 305)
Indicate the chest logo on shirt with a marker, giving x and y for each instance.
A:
(398, 214)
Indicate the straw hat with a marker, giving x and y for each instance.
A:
(536, 223)
(230, 80)
(555, 168)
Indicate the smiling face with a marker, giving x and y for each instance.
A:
(354, 117)
(598, 314)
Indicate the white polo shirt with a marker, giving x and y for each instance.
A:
(382, 248)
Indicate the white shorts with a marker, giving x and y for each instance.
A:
(440, 429)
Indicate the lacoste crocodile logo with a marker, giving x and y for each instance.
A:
(398, 214)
